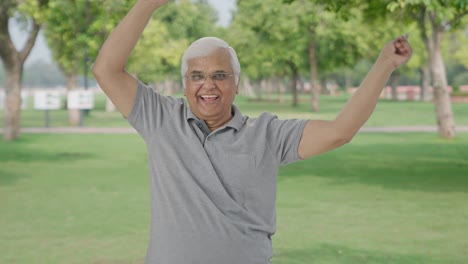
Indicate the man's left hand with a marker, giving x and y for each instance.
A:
(398, 51)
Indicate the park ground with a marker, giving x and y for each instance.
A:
(398, 197)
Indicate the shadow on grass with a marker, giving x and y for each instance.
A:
(42, 156)
(11, 174)
(422, 167)
(15, 156)
(328, 253)
(25, 150)
(9, 177)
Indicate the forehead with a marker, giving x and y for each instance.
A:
(218, 60)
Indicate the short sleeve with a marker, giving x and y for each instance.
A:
(283, 137)
(150, 109)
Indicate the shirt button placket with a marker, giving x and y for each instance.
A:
(206, 144)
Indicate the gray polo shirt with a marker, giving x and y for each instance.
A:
(213, 194)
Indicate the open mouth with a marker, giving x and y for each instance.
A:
(209, 98)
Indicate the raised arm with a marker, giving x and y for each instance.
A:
(109, 68)
(320, 136)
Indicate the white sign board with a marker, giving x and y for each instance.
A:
(24, 99)
(80, 99)
(47, 100)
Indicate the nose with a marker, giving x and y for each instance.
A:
(209, 82)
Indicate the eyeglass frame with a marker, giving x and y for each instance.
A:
(203, 80)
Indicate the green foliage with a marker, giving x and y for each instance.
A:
(187, 19)
(32, 9)
(459, 45)
(270, 36)
(461, 78)
(445, 13)
(26, 13)
(76, 27)
(159, 51)
(267, 38)
(157, 56)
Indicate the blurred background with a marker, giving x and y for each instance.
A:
(73, 174)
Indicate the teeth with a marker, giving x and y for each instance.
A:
(209, 96)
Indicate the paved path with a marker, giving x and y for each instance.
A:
(129, 130)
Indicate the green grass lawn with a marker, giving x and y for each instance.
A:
(384, 198)
(387, 113)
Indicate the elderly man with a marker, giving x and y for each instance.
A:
(213, 170)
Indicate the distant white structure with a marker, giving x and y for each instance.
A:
(80, 99)
(47, 100)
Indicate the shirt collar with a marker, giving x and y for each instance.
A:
(236, 122)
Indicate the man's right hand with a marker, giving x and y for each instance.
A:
(109, 68)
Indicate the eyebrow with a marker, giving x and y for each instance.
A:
(217, 71)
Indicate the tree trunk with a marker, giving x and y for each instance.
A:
(74, 115)
(315, 87)
(394, 80)
(443, 105)
(168, 88)
(281, 90)
(270, 87)
(323, 87)
(13, 61)
(293, 82)
(248, 90)
(263, 86)
(348, 82)
(258, 91)
(12, 110)
(425, 83)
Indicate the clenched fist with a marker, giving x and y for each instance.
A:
(397, 51)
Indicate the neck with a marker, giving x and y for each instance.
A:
(215, 124)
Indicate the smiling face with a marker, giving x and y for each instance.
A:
(211, 99)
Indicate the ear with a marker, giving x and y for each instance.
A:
(237, 85)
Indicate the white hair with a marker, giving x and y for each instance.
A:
(205, 47)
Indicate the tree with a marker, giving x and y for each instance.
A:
(31, 13)
(301, 36)
(74, 30)
(156, 58)
(331, 39)
(434, 19)
(265, 49)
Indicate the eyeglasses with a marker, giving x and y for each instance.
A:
(200, 77)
